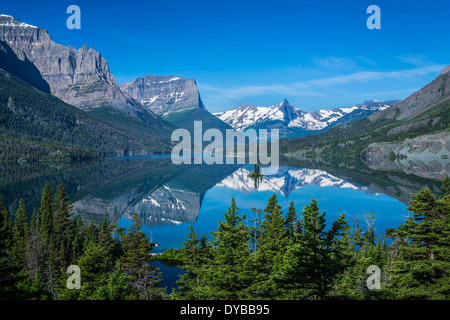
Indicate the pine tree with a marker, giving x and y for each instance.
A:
(204, 254)
(313, 263)
(135, 261)
(191, 264)
(106, 240)
(36, 253)
(38, 289)
(94, 274)
(422, 268)
(117, 287)
(61, 237)
(8, 270)
(46, 213)
(290, 223)
(77, 243)
(20, 235)
(274, 235)
(90, 235)
(230, 274)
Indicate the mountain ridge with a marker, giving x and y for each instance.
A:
(38, 126)
(296, 122)
(423, 113)
(174, 99)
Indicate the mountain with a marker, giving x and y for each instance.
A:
(424, 113)
(80, 77)
(159, 191)
(399, 184)
(37, 126)
(287, 180)
(23, 69)
(175, 99)
(249, 116)
(294, 122)
(164, 95)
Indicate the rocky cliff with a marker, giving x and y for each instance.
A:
(426, 156)
(80, 77)
(164, 95)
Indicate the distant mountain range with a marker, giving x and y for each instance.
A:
(291, 121)
(60, 102)
(82, 79)
(414, 127)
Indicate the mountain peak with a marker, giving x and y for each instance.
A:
(9, 21)
(245, 106)
(164, 94)
(446, 70)
(285, 102)
(292, 121)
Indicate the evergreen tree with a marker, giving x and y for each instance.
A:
(312, 264)
(274, 236)
(77, 243)
(90, 235)
(230, 274)
(135, 261)
(94, 274)
(62, 231)
(9, 271)
(204, 254)
(187, 284)
(422, 268)
(38, 289)
(20, 235)
(36, 254)
(106, 240)
(290, 223)
(46, 213)
(117, 287)
(255, 230)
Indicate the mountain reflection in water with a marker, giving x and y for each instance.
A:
(169, 198)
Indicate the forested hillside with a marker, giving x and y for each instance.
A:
(38, 126)
(274, 255)
(423, 113)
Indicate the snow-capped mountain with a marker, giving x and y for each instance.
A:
(175, 99)
(295, 122)
(287, 180)
(163, 95)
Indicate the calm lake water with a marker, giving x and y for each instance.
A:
(334, 195)
(170, 198)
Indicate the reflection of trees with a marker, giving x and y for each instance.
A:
(104, 177)
(107, 186)
(256, 176)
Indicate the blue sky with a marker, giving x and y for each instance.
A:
(315, 53)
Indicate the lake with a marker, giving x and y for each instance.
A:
(169, 198)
